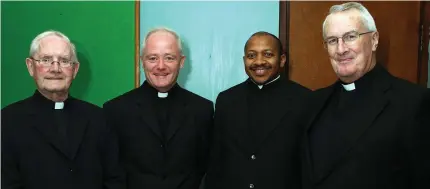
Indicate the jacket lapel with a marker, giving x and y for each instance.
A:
(241, 120)
(147, 113)
(322, 97)
(77, 130)
(373, 104)
(48, 130)
(177, 114)
(281, 102)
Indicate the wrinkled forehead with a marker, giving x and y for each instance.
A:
(340, 23)
(161, 41)
(53, 46)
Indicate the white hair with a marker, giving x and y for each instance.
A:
(366, 18)
(35, 44)
(163, 29)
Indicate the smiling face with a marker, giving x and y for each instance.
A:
(263, 60)
(350, 61)
(162, 60)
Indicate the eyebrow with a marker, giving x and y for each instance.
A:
(342, 34)
(47, 55)
(266, 49)
(155, 54)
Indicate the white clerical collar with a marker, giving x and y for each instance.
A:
(59, 105)
(162, 95)
(261, 86)
(349, 87)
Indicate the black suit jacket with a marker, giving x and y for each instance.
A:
(33, 156)
(273, 162)
(387, 142)
(179, 162)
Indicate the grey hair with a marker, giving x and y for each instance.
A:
(366, 17)
(163, 29)
(35, 44)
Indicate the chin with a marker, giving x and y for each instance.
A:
(162, 84)
(56, 89)
(260, 81)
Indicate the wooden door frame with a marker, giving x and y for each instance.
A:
(137, 44)
(424, 35)
(284, 32)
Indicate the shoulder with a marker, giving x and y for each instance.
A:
(232, 92)
(126, 98)
(297, 88)
(195, 98)
(87, 106)
(16, 107)
(13, 113)
(406, 88)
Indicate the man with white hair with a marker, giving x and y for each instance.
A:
(52, 140)
(163, 129)
(369, 129)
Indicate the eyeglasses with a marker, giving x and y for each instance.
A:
(47, 62)
(347, 38)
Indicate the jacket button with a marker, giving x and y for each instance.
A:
(70, 170)
(253, 157)
(251, 186)
(161, 146)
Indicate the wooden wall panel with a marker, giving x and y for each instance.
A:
(398, 24)
(309, 63)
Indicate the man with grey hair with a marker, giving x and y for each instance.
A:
(163, 129)
(52, 140)
(369, 129)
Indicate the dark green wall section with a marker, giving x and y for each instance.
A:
(103, 33)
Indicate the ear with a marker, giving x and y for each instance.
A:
(142, 62)
(182, 61)
(30, 66)
(375, 40)
(283, 60)
(75, 69)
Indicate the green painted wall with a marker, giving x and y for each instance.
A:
(103, 33)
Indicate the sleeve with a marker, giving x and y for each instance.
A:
(215, 146)
(419, 145)
(205, 138)
(10, 174)
(113, 174)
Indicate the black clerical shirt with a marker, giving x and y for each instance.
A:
(260, 104)
(60, 117)
(161, 106)
(328, 135)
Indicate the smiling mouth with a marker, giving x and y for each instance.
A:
(161, 75)
(260, 71)
(345, 61)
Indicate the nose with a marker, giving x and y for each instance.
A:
(259, 59)
(341, 47)
(160, 64)
(55, 66)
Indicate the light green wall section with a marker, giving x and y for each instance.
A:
(214, 35)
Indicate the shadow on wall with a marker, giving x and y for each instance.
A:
(81, 83)
(186, 70)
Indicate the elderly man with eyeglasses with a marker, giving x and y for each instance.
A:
(369, 129)
(52, 140)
